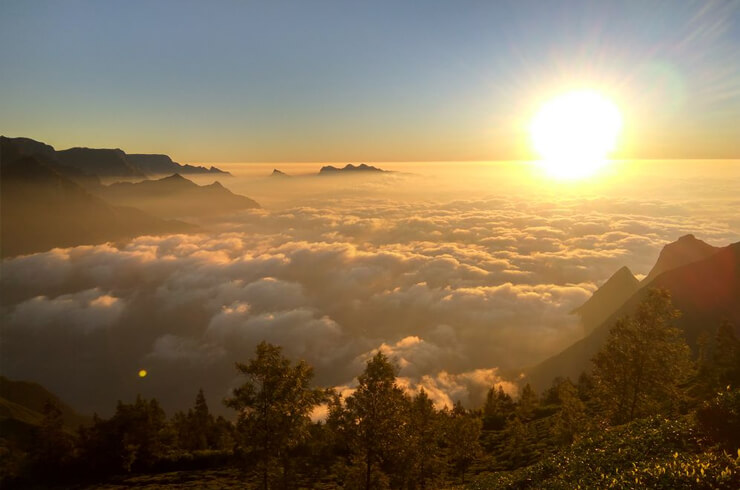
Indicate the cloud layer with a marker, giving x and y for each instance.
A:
(459, 293)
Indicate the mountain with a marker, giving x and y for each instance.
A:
(24, 401)
(163, 165)
(100, 162)
(43, 209)
(705, 291)
(83, 163)
(685, 250)
(15, 148)
(349, 168)
(605, 300)
(176, 196)
(278, 173)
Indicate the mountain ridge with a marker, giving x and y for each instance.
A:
(705, 291)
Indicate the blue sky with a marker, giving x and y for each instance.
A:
(374, 81)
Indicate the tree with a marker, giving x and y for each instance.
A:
(424, 437)
(52, 446)
(375, 420)
(463, 434)
(136, 436)
(528, 403)
(645, 358)
(274, 407)
(571, 419)
(720, 367)
(196, 430)
(497, 409)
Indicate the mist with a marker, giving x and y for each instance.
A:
(462, 273)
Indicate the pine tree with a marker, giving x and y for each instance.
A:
(528, 403)
(463, 434)
(498, 407)
(424, 438)
(376, 423)
(274, 406)
(53, 446)
(571, 419)
(645, 358)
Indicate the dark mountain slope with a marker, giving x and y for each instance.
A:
(176, 196)
(24, 401)
(685, 250)
(163, 165)
(349, 169)
(100, 162)
(43, 209)
(605, 300)
(705, 292)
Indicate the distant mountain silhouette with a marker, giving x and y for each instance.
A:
(24, 401)
(100, 162)
(176, 196)
(15, 148)
(278, 173)
(43, 209)
(706, 291)
(605, 300)
(82, 164)
(163, 165)
(685, 250)
(349, 168)
(22, 411)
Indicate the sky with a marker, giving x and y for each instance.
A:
(280, 81)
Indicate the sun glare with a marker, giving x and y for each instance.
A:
(574, 133)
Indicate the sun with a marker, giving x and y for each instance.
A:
(575, 132)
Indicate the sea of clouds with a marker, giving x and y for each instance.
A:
(460, 291)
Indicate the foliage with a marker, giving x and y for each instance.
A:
(463, 436)
(645, 359)
(720, 418)
(528, 403)
(273, 406)
(134, 438)
(571, 420)
(497, 409)
(375, 423)
(648, 453)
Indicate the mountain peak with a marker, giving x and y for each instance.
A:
(610, 296)
(686, 250)
(278, 173)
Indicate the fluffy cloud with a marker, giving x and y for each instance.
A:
(457, 293)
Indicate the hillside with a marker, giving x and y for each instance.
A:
(153, 164)
(705, 292)
(685, 250)
(100, 162)
(605, 300)
(176, 196)
(43, 209)
(24, 401)
(349, 169)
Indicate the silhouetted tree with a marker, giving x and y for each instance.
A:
(424, 438)
(136, 435)
(463, 434)
(375, 420)
(52, 446)
(498, 407)
(571, 419)
(721, 364)
(643, 362)
(196, 429)
(528, 403)
(274, 406)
